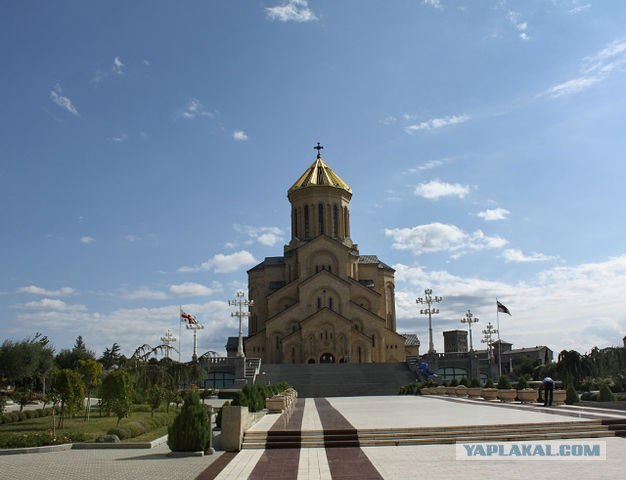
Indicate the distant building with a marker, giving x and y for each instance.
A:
(455, 341)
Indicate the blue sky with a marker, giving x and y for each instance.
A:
(146, 149)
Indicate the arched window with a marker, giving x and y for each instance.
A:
(295, 222)
(335, 221)
(330, 302)
(319, 303)
(320, 217)
(306, 221)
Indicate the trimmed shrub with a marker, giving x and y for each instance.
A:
(475, 383)
(191, 428)
(504, 383)
(572, 396)
(454, 383)
(121, 432)
(39, 439)
(606, 394)
(135, 428)
(489, 383)
(463, 382)
(522, 383)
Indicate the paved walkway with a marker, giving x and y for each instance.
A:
(363, 463)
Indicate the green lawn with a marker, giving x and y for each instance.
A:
(95, 427)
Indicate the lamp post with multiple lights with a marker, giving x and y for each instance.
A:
(167, 339)
(240, 302)
(428, 299)
(469, 318)
(488, 334)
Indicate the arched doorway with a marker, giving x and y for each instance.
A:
(327, 358)
(311, 360)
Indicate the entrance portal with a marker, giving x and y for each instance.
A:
(327, 358)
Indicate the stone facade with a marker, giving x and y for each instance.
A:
(322, 301)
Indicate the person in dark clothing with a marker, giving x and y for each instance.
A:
(548, 391)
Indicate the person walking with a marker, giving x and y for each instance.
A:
(548, 391)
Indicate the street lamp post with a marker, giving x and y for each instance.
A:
(469, 318)
(240, 302)
(428, 299)
(488, 334)
(167, 339)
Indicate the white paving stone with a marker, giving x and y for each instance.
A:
(439, 462)
(424, 411)
(311, 417)
(241, 466)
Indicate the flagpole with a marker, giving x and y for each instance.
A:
(180, 331)
(499, 341)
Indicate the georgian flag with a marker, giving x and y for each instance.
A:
(186, 317)
(502, 308)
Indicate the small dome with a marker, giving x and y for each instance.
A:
(319, 174)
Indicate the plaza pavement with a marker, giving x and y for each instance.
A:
(363, 463)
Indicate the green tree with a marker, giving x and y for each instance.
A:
(91, 372)
(23, 363)
(71, 391)
(69, 358)
(117, 393)
(191, 430)
(155, 395)
(111, 356)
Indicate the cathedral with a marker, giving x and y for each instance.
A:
(322, 301)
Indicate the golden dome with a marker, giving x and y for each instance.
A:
(319, 174)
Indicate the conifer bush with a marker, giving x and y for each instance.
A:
(504, 383)
(606, 394)
(571, 396)
(191, 430)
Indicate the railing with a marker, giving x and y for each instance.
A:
(252, 368)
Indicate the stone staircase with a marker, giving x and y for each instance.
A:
(341, 379)
(433, 435)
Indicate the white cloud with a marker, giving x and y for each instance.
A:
(190, 289)
(435, 123)
(521, 26)
(580, 306)
(35, 290)
(429, 165)
(132, 327)
(268, 236)
(434, 3)
(132, 238)
(494, 214)
(221, 263)
(120, 138)
(145, 293)
(292, 11)
(513, 255)
(595, 69)
(193, 108)
(240, 135)
(118, 67)
(435, 189)
(390, 120)
(579, 8)
(62, 101)
(87, 239)
(51, 304)
(435, 237)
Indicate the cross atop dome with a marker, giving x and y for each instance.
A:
(318, 148)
